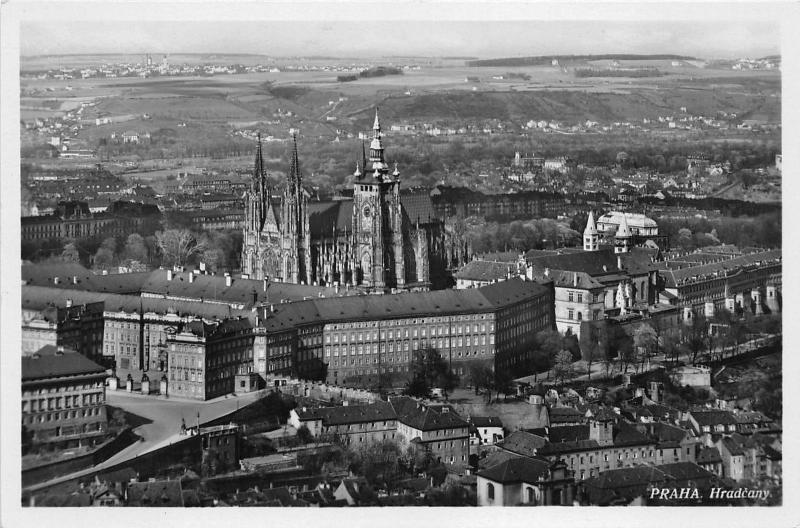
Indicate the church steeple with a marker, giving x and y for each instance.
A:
(591, 238)
(623, 238)
(294, 180)
(378, 164)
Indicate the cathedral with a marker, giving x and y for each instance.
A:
(381, 240)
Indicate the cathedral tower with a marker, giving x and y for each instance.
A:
(295, 225)
(379, 248)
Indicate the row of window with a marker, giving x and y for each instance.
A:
(64, 415)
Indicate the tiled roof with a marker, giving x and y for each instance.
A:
(426, 417)
(47, 362)
(628, 435)
(523, 443)
(483, 270)
(664, 432)
(520, 469)
(732, 446)
(350, 414)
(565, 414)
(674, 277)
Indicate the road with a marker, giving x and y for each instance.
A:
(165, 416)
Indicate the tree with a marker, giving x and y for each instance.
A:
(429, 370)
(135, 248)
(480, 375)
(644, 340)
(177, 246)
(70, 253)
(547, 344)
(304, 436)
(563, 365)
(103, 259)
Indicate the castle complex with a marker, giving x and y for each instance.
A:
(381, 240)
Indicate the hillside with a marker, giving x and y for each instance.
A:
(547, 59)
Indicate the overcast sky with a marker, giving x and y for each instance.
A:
(704, 36)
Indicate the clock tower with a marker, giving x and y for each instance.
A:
(377, 221)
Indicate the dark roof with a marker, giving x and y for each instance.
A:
(340, 415)
(47, 362)
(568, 433)
(486, 421)
(418, 206)
(161, 493)
(123, 283)
(425, 417)
(42, 299)
(365, 307)
(70, 276)
(568, 447)
(565, 414)
(732, 446)
(664, 432)
(627, 483)
(715, 417)
(324, 217)
(523, 443)
(628, 435)
(595, 263)
(519, 469)
(483, 270)
(708, 455)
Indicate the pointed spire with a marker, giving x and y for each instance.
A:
(396, 172)
(591, 226)
(624, 231)
(357, 173)
(294, 169)
(377, 125)
(258, 171)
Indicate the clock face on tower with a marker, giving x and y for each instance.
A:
(367, 211)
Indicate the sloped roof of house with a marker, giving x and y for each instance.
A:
(486, 421)
(713, 417)
(71, 276)
(514, 470)
(685, 471)
(565, 415)
(708, 455)
(484, 270)
(523, 443)
(48, 362)
(161, 494)
(356, 308)
(426, 417)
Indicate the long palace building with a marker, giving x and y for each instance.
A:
(381, 240)
(353, 340)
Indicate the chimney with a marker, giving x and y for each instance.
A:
(56, 280)
(245, 275)
(74, 279)
(266, 283)
(60, 350)
(619, 261)
(191, 278)
(228, 280)
(68, 303)
(344, 403)
(305, 409)
(336, 287)
(203, 267)
(574, 280)
(169, 274)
